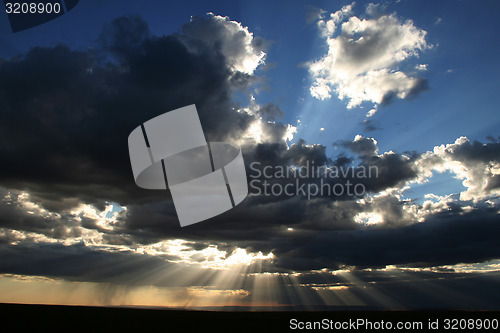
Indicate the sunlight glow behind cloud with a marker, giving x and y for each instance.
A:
(362, 63)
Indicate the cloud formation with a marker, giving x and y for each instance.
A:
(364, 57)
(476, 164)
(242, 51)
(68, 194)
(75, 117)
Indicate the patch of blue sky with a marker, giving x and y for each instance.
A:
(440, 184)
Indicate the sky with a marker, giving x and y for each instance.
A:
(407, 88)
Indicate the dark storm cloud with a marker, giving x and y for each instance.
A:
(14, 216)
(66, 114)
(325, 233)
(243, 226)
(400, 288)
(76, 262)
(447, 238)
(393, 169)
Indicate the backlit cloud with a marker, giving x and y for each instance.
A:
(364, 57)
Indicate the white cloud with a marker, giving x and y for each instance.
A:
(209, 257)
(327, 27)
(372, 112)
(262, 130)
(243, 52)
(362, 60)
(421, 67)
(470, 162)
(368, 218)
